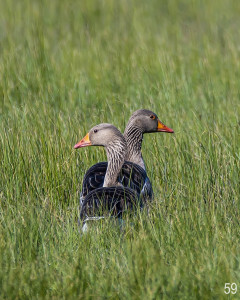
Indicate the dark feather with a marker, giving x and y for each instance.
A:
(131, 175)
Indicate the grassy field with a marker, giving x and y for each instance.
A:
(68, 65)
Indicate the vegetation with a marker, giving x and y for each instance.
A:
(68, 65)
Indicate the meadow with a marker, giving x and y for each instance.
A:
(66, 66)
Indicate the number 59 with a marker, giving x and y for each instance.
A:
(230, 288)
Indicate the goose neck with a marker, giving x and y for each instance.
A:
(134, 136)
(116, 154)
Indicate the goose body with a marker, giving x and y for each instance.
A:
(109, 202)
(113, 202)
(133, 173)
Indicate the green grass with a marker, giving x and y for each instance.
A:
(68, 65)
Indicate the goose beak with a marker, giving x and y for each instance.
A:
(83, 143)
(163, 128)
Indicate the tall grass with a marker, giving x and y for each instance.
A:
(68, 65)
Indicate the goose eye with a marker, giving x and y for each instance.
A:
(95, 130)
(152, 117)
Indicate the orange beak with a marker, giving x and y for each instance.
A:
(83, 143)
(163, 128)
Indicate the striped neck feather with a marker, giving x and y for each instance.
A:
(134, 136)
(116, 154)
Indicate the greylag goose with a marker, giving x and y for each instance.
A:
(133, 172)
(112, 199)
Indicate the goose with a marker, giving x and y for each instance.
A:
(133, 172)
(112, 199)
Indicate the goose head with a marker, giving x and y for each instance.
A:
(111, 138)
(142, 121)
(148, 122)
(103, 134)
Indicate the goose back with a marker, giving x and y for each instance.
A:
(131, 175)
